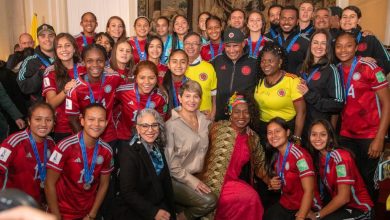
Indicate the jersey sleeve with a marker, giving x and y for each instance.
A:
(57, 159)
(49, 82)
(305, 166)
(213, 82)
(344, 170)
(378, 79)
(295, 94)
(71, 103)
(7, 154)
(108, 164)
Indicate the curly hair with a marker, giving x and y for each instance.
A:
(277, 51)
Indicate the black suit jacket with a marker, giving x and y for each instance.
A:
(142, 192)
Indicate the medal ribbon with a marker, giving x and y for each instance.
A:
(353, 66)
(43, 60)
(139, 98)
(288, 49)
(175, 99)
(280, 170)
(41, 169)
(91, 96)
(163, 55)
(254, 54)
(88, 172)
(142, 55)
(308, 78)
(324, 182)
(85, 42)
(212, 49)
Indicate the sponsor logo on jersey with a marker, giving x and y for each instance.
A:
(77, 160)
(29, 155)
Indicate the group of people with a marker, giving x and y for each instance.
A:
(228, 123)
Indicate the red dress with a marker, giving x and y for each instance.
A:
(238, 200)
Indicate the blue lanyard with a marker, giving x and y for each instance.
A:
(359, 37)
(91, 96)
(308, 78)
(254, 54)
(308, 30)
(179, 45)
(88, 172)
(163, 57)
(75, 72)
(324, 181)
(212, 49)
(279, 170)
(85, 42)
(273, 33)
(175, 100)
(354, 63)
(142, 55)
(41, 169)
(139, 98)
(43, 60)
(288, 49)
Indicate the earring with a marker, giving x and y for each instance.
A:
(139, 139)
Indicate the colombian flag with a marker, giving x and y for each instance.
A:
(33, 29)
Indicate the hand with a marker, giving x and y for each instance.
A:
(69, 85)
(368, 59)
(202, 188)
(26, 213)
(275, 183)
(311, 215)
(302, 87)
(162, 215)
(376, 147)
(20, 123)
(367, 32)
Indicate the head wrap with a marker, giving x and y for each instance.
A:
(234, 100)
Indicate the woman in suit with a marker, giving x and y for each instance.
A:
(145, 190)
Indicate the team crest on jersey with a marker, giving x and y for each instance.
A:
(246, 70)
(287, 167)
(356, 76)
(152, 104)
(100, 159)
(362, 46)
(316, 76)
(281, 92)
(295, 47)
(107, 89)
(4, 154)
(223, 67)
(203, 76)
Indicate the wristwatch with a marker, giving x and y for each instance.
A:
(318, 215)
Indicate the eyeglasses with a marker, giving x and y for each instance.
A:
(146, 126)
(191, 44)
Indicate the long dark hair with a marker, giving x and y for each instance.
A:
(62, 76)
(308, 63)
(175, 38)
(151, 38)
(123, 24)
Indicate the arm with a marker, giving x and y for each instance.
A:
(75, 123)
(308, 193)
(50, 191)
(342, 198)
(7, 104)
(300, 108)
(55, 99)
(29, 77)
(376, 146)
(213, 107)
(101, 193)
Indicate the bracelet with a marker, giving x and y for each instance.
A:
(64, 91)
(90, 217)
(295, 137)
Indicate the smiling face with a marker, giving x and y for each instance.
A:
(178, 63)
(202, 22)
(94, 122)
(88, 23)
(255, 23)
(94, 63)
(41, 123)
(192, 47)
(318, 46)
(105, 42)
(155, 49)
(322, 19)
(237, 19)
(123, 53)
(274, 15)
(214, 30)
(115, 28)
(345, 48)
(306, 12)
(234, 50)
(46, 39)
(190, 101)
(288, 20)
(181, 26)
(142, 27)
(270, 64)
(148, 128)
(64, 49)
(240, 116)
(319, 137)
(162, 27)
(277, 136)
(349, 20)
(146, 80)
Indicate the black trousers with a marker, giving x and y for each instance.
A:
(348, 213)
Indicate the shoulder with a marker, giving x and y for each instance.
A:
(125, 87)
(340, 155)
(299, 152)
(290, 77)
(68, 142)
(49, 71)
(105, 146)
(368, 64)
(78, 35)
(304, 38)
(16, 138)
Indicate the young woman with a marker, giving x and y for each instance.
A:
(162, 29)
(256, 40)
(187, 131)
(106, 41)
(277, 93)
(96, 86)
(202, 17)
(175, 77)
(339, 176)
(143, 93)
(122, 60)
(145, 184)
(154, 51)
(88, 23)
(215, 45)
(79, 169)
(322, 86)
(368, 46)
(366, 114)
(180, 29)
(292, 172)
(24, 154)
(60, 78)
(138, 42)
(234, 159)
(116, 28)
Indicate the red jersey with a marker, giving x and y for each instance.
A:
(343, 170)
(130, 106)
(78, 98)
(264, 40)
(49, 84)
(298, 165)
(18, 164)
(206, 52)
(83, 41)
(142, 44)
(162, 69)
(73, 200)
(361, 114)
